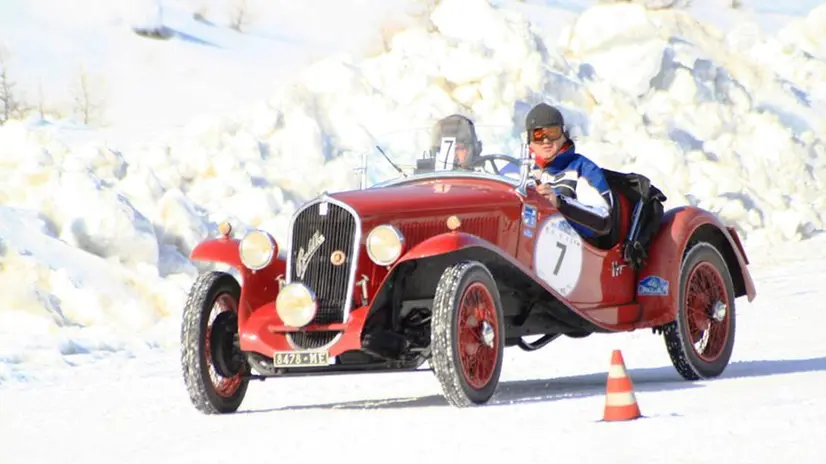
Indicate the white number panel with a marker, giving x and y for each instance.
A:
(558, 254)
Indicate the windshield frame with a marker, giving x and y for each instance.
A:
(437, 175)
(407, 177)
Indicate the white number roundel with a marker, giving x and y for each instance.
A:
(558, 254)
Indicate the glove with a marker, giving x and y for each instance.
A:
(548, 192)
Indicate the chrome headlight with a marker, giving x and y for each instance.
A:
(257, 249)
(385, 244)
(296, 305)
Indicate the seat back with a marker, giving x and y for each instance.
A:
(620, 217)
(641, 216)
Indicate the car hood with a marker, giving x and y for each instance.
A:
(429, 197)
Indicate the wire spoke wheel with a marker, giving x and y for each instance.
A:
(477, 334)
(467, 334)
(707, 315)
(701, 340)
(219, 340)
(214, 369)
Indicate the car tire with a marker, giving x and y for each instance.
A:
(467, 341)
(214, 369)
(705, 283)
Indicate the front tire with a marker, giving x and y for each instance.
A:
(467, 334)
(701, 340)
(214, 370)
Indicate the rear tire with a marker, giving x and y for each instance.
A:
(214, 370)
(705, 285)
(467, 334)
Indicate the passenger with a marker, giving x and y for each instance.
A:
(574, 184)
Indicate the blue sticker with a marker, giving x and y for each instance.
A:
(529, 216)
(528, 233)
(653, 286)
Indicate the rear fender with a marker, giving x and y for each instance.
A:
(680, 227)
(258, 288)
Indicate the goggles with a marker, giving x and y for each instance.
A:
(552, 133)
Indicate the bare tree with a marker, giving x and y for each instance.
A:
(9, 104)
(41, 101)
(88, 103)
(239, 15)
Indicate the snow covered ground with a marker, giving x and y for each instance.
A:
(720, 107)
(767, 407)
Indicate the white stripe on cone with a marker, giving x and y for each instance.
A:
(620, 399)
(616, 371)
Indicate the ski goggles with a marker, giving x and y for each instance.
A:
(552, 133)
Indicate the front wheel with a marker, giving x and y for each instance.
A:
(467, 334)
(701, 340)
(214, 368)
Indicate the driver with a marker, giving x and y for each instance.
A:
(468, 146)
(574, 184)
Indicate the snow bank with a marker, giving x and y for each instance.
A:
(58, 300)
(732, 123)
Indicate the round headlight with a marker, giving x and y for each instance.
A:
(295, 305)
(257, 249)
(385, 244)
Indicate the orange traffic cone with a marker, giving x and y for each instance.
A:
(620, 401)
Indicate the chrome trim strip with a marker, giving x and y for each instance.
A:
(299, 349)
(351, 280)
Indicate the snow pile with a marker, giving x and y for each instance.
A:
(807, 34)
(728, 124)
(731, 123)
(59, 300)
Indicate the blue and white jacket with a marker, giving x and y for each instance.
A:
(585, 198)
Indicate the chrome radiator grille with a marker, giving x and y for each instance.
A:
(323, 256)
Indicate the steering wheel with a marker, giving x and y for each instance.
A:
(482, 159)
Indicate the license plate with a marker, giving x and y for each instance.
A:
(300, 358)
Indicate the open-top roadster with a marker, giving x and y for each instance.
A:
(449, 267)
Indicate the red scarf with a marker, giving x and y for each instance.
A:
(542, 162)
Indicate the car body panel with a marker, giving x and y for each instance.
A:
(608, 283)
(679, 225)
(258, 287)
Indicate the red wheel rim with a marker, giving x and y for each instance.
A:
(477, 319)
(708, 329)
(224, 386)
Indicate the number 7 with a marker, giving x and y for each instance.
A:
(561, 256)
(446, 153)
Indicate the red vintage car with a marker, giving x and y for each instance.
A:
(448, 267)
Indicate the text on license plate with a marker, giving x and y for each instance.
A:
(300, 358)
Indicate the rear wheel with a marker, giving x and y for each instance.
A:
(214, 368)
(467, 334)
(701, 340)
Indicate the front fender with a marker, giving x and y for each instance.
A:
(218, 250)
(444, 243)
(679, 226)
(257, 288)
